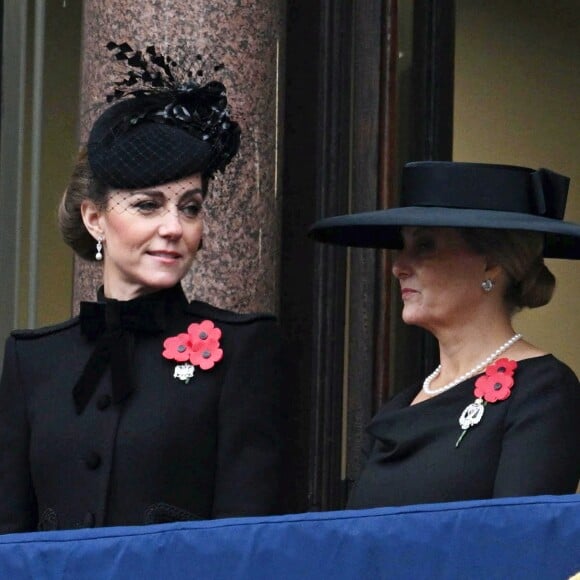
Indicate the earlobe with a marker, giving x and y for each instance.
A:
(487, 285)
(492, 271)
(491, 276)
(91, 218)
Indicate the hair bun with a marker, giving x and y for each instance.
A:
(537, 287)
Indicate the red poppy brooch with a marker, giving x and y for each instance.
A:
(493, 386)
(198, 347)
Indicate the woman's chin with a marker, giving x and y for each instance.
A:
(163, 283)
(412, 318)
(164, 278)
(408, 316)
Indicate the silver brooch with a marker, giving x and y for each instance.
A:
(471, 416)
(184, 372)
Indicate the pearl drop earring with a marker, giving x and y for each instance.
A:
(99, 254)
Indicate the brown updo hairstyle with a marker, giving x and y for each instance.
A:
(520, 254)
(82, 186)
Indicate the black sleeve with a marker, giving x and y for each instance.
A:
(18, 511)
(541, 446)
(251, 425)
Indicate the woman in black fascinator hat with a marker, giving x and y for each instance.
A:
(499, 416)
(145, 408)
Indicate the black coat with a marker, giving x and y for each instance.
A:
(169, 451)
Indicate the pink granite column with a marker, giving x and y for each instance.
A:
(238, 267)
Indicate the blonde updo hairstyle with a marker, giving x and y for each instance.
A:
(82, 186)
(520, 254)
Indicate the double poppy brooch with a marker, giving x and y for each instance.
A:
(493, 386)
(198, 347)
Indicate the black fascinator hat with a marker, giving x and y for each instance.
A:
(465, 195)
(159, 127)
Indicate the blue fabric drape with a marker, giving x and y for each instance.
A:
(531, 538)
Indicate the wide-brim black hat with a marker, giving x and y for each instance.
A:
(464, 195)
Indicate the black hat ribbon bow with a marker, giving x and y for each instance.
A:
(549, 193)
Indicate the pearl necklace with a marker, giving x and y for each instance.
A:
(475, 370)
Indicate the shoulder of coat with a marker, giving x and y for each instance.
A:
(205, 310)
(45, 330)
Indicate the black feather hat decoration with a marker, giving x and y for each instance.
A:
(161, 125)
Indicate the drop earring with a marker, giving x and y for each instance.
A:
(487, 285)
(200, 245)
(99, 254)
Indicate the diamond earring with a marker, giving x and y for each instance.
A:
(487, 285)
(99, 254)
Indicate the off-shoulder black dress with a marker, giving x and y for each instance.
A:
(528, 444)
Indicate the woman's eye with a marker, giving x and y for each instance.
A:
(190, 209)
(146, 206)
(425, 245)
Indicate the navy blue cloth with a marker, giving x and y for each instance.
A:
(527, 538)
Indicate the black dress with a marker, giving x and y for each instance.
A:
(151, 448)
(528, 444)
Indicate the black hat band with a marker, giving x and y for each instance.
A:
(463, 186)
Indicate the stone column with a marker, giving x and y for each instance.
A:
(238, 267)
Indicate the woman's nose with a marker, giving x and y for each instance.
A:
(171, 225)
(400, 266)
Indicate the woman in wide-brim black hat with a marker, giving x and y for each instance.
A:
(498, 416)
(146, 408)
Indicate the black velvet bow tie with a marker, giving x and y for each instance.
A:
(114, 324)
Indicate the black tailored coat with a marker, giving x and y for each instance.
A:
(528, 444)
(169, 451)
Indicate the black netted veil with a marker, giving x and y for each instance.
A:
(160, 129)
